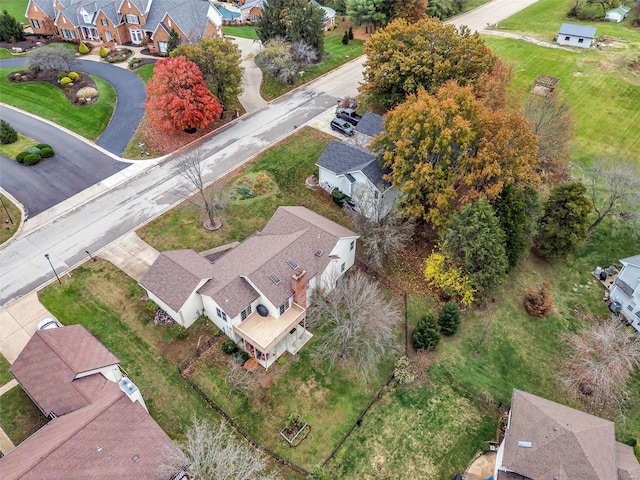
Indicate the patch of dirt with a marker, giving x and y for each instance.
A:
(51, 76)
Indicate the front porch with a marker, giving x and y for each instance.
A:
(267, 338)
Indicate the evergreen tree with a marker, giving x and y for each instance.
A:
(174, 41)
(565, 220)
(274, 19)
(350, 33)
(7, 133)
(449, 318)
(306, 23)
(475, 242)
(345, 39)
(426, 335)
(10, 29)
(510, 210)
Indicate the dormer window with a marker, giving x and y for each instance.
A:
(131, 18)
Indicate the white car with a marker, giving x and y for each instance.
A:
(48, 323)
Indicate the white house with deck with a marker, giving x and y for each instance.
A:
(257, 292)
(625, 291)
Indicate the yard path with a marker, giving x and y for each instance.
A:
(130, 254)
(490, 14)
(250, 98)
(526, 38)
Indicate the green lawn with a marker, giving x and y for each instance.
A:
(12, 149)
(107, 302)
(145, 72)
(9, 228)
(287, 164)
(5, 376)
(604, 95)
(19, 416)
(46, 101)
(336, 54)
(16, 8)
(244, 31)
(543, 20)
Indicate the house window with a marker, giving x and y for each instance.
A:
(224, 316)
(163, 47)
(35, 23)
(108, 35)
(566, 39)
(245, 313)
(353, 244)
(68, 33)
(284, 306)
(104, 22)
(580, 40)
(631, 306)
(131, 18)
(342, 267)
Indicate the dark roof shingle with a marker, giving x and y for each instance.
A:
(371, 124)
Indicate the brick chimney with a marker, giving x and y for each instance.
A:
(299, 286)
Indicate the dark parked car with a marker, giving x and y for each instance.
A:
(342, 126)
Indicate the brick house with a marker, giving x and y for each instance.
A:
(137, 22)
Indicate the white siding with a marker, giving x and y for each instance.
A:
(172, 313)
(328, 180)
(574, 41)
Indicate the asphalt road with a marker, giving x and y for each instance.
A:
(131, 94)
(76, 165)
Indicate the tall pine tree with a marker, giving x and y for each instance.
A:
(510, 210)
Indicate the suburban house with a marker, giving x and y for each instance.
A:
(625, 291)
(251, 10)
(617, 14)
(576, 35)
(256, 293)
(546, 440)
(357, 173)
(370, 125)
(99, 428)
(120, 22)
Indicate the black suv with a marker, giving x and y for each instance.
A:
(342, 126)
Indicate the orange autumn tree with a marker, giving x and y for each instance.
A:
(448, 149)
(178, 98)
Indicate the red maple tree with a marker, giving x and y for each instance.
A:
(178, 98)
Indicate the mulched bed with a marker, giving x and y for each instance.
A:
(26, 44)
(51, 76)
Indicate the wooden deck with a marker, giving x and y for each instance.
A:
(264, 333)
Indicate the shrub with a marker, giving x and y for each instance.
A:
(179, 332)
(103, 52)
(83, 49)
(46, 152)
(73, 76)
(65, 81)
(426, 335)
(35, 150)
(538, 303)
(20, 157)
(241, 357)
(229, 347)
(449, 318)
(317, 473)
(338, 197)
(32, 158)
(261, 184)
(43, 145)
(350, 33)
(134, 61)
(345, 39)
(61, 75)
(8, 134)
(87, 92)
(404, 371)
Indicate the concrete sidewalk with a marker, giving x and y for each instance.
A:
(130, 254)
(18, 324)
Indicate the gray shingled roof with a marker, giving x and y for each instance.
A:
(343, 158)
(51, 360)
(635, 260)
(111, 438)
(175, 275)
(628, 465)
(565, 443)
(47, 6)
(577, 30)
(190, 17)
(371, 124)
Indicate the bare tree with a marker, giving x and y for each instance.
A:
(215, 453)
(191, 168)
(51, 57)
(360, 323)
(383, 230)
(303, 53)
(600, 362)
(614, 185)
(240, 381)
(552, 122)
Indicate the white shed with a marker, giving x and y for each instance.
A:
(576, 35)
(617, 14)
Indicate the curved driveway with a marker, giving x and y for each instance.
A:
(131, 94)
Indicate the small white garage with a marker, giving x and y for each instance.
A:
(576, 35)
